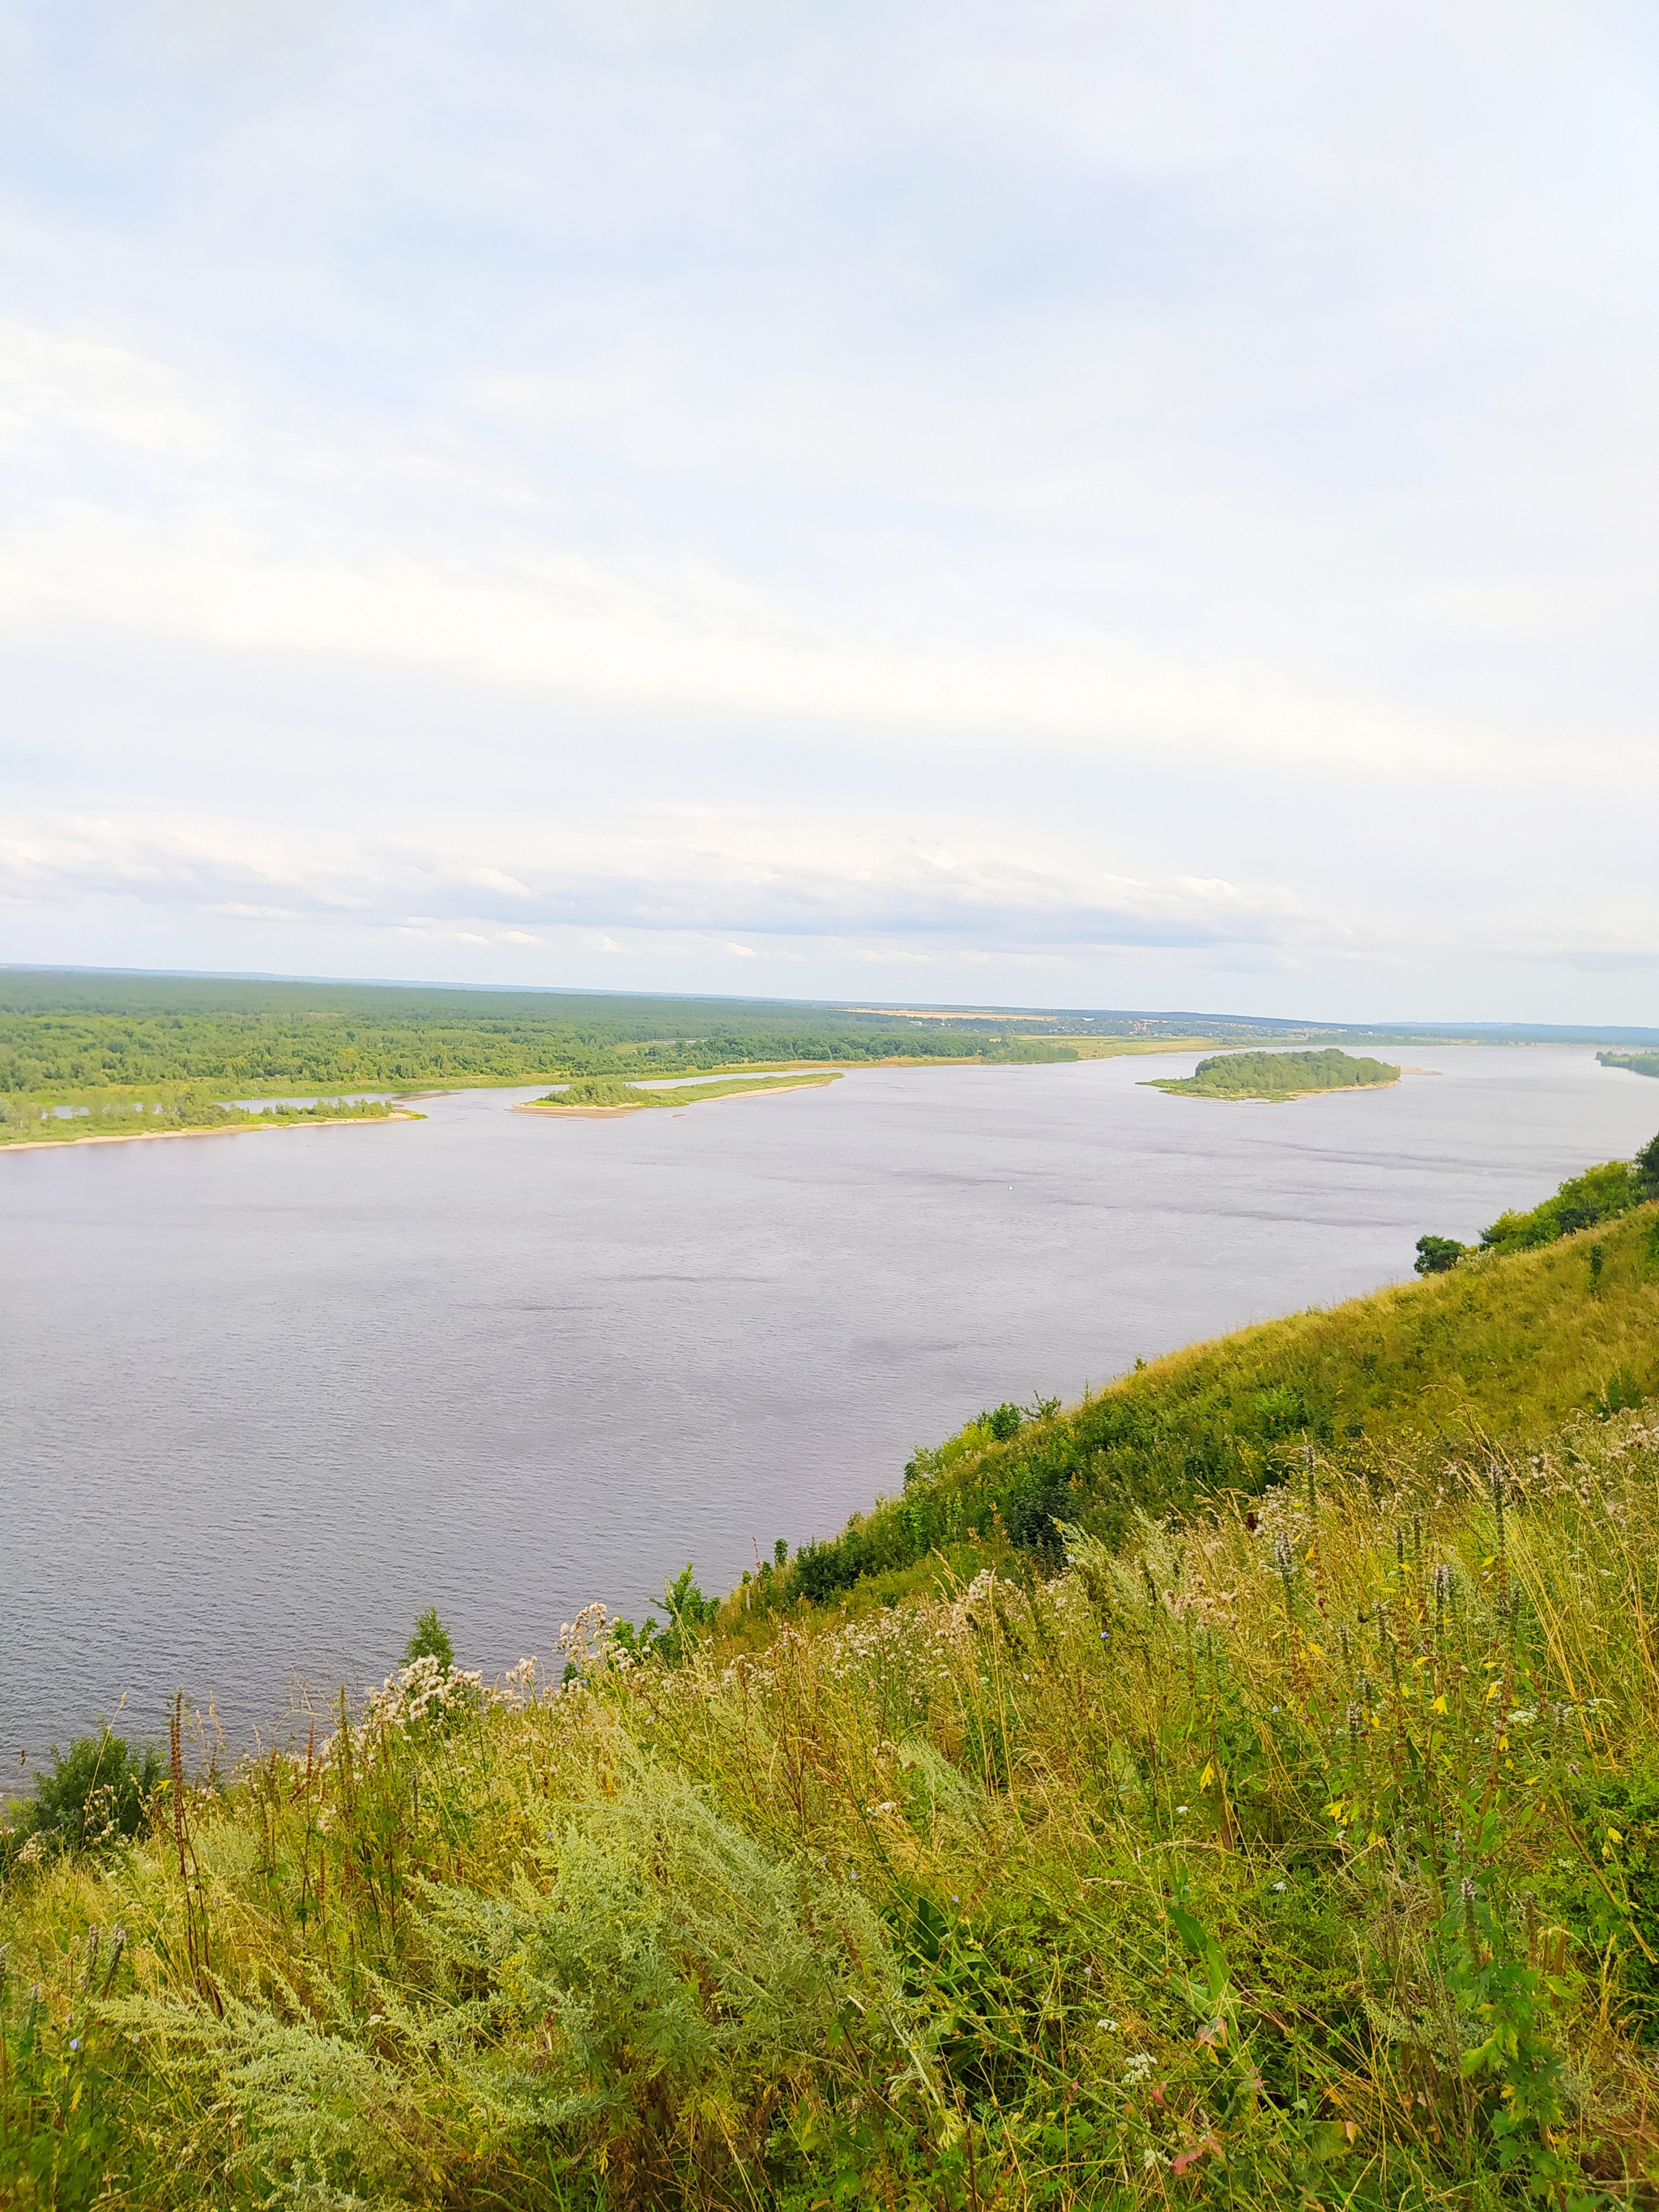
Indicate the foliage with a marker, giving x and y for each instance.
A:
(1436, 1256)
(1278, 1075)
(65, 1034)
(31, 1121)
(430, 1640)
(97, 1795)
(1601, 1193)
(1639, 1063)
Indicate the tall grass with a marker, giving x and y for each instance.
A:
(1301, 1852)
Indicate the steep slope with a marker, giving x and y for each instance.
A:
(1507, 1346)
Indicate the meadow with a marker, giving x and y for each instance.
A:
(1241, 1789)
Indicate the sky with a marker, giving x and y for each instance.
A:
(1121, 505)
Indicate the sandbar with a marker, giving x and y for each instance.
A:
(640, 1106)
(219, 1129)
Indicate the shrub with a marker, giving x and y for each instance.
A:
(430, 1640)
(97, 1794)
(1437, 1255)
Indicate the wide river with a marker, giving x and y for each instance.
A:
(266, 1396)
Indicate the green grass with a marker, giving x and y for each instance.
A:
(1278, 1075)
(1305, 1856)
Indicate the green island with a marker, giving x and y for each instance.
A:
(1278, 1075)
(1639, 1063)
(610, 1094)
(187, 1110)
(1239, 1788)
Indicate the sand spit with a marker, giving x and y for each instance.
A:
(679, 1105)
(223, 1129)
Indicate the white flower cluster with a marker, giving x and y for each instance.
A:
(424, 1690)
(520, 1687)
(589, 1641)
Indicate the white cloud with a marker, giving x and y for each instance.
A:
(946, 483)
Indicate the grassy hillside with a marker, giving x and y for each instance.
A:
(1305, 1857)
(1505, 1346)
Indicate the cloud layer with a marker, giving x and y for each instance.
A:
(1097, 506)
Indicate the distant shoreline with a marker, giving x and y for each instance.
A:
(216, 1129)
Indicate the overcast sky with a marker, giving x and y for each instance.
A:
(1144, 505)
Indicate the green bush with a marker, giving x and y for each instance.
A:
(1437, 1255)
(98, 1794)
(430, 1640)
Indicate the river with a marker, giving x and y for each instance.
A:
(265, 1397)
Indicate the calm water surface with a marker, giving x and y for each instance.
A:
(265, 1397)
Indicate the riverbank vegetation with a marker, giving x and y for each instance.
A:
(174, 1111)
(1242, 1788)
(611, 1094)
(1639, 1063)
(1278, 1075)
(1600, 1194)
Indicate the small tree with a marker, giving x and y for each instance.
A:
(1437, 1255)
(430, 1640)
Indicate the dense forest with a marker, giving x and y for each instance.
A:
(65, 1033)
(1239, 1788)
(68, 1033)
